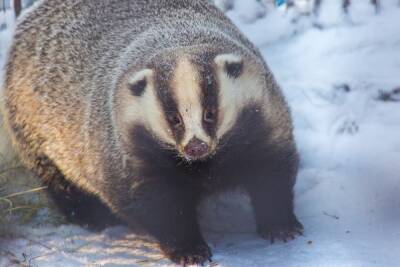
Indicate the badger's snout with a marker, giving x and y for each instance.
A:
(196, 149)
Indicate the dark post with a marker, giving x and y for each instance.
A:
(376, 5)
(346, 5)
(17, 7)
(317, 5)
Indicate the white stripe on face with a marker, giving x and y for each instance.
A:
(187, 92)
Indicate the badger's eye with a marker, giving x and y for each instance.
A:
(209, 115)
(176, 120)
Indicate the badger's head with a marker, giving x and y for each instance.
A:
(188, 102)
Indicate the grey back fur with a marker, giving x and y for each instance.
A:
(68, 58)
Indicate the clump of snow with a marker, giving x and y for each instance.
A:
(340, 75)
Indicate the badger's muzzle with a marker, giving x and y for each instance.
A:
(196, 149)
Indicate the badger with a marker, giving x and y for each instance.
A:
(134, 111)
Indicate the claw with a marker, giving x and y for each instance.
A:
(284, 234)
(192, 255)
(300, 232)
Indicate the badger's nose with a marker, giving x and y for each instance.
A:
(196, 148)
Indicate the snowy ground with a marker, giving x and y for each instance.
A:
(335, 71)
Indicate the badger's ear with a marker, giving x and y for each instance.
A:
(231, 64)
(138, 83)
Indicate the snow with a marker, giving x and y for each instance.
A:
(6, 20)
(333, 70)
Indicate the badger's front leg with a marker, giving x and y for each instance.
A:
(167, 211)
(271, 193)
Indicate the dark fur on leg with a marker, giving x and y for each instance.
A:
(271, 194)
(273, 208)
(166, 209)
(267, 171)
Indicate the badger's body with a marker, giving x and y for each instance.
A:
(144, 107)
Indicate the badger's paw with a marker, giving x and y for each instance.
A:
(197, 254)
(282, 231)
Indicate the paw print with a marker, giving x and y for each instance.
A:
(348, 126)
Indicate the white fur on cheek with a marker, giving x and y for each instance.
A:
(146, 109)
(187, 92)
(235, 94)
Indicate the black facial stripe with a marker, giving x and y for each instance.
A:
(210, 93)
(166, 98)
